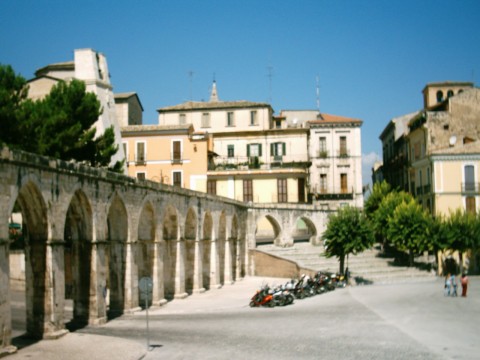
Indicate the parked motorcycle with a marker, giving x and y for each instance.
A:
(262, 297)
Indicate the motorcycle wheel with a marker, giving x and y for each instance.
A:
(271, 303)
(252, 303)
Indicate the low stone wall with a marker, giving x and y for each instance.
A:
(269, 265)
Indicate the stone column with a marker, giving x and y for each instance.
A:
(54, 295)
(6, 346)
(180, 270)
(228, 261)
(238, 260)
(214, 264)
(198, 268)
(158, 295)
(131, 278)
(98, 284)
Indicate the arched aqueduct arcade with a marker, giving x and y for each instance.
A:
(90, 235)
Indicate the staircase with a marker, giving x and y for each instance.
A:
(370, 266)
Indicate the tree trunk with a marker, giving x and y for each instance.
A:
(410, 256)
(342, 263)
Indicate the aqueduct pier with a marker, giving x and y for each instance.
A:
(90, 235)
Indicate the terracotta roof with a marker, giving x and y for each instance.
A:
(333, 119)
(156, 128)
(203, 105)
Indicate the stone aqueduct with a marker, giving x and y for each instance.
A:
(93, 234)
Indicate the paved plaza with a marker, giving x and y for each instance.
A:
(399, 321)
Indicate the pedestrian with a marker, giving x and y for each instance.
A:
(453, 282)
(447, 285)
(464, 282)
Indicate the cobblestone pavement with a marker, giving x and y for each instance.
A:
(398, 321)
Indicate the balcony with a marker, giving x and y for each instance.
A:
(140, 160)
(240, 163)
(176, 158)
(471, 188)
(322, 193)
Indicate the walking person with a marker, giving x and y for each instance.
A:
(464, 283)
(453, 282)
(447, 285)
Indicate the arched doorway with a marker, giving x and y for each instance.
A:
(304, 231)
(117, 222)
(78, 252)
(267, 230)
(28, 263)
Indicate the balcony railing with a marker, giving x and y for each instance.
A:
(240, 163)
(176, 158)
(322, 193)
(470, 187)
(140, 160)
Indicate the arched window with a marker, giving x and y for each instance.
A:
(449, 93)
(439, 96)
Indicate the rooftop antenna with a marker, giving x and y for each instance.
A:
(190, 75)
(270, 75)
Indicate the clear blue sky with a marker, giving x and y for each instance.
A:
(372, 57)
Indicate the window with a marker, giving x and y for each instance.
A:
(140, 156)
(231, 151)
(439, 96)
(343, 146)
(253, 118)
(343, 183)
(301, 190)
(322, 147)
(176, 151)
(323, 183)
(177, 178)
(230, 118)
(254, 150)
(278, 124)
(282, 190)
(449, 93)
(212, 187)
(141, 176)
(206, 120)
(277, 150)
(247, 190)
(182, 119)
(469, 178)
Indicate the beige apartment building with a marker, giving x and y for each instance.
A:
(258, 157)
(336, 154)
(171, 154)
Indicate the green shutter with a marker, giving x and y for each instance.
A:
(259, 149)
(284, 147)
(248, 150)
(272, 149)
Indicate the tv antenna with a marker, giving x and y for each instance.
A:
(190, 76)
(270, 76)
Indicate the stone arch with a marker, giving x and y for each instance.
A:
(304, 230)
(117, 235)
(268, 229)
(146, 243)
(170, 237)
(207, 229)
(221, 238)
(33, 211)
(190, 236)
(78, 234)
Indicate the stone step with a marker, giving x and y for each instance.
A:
(367, 267)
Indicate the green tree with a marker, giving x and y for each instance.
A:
(462, 232)
(380, 190)
(348, 232)
(13, 92)
(61, 125)
(409, 229)
(385, 210)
